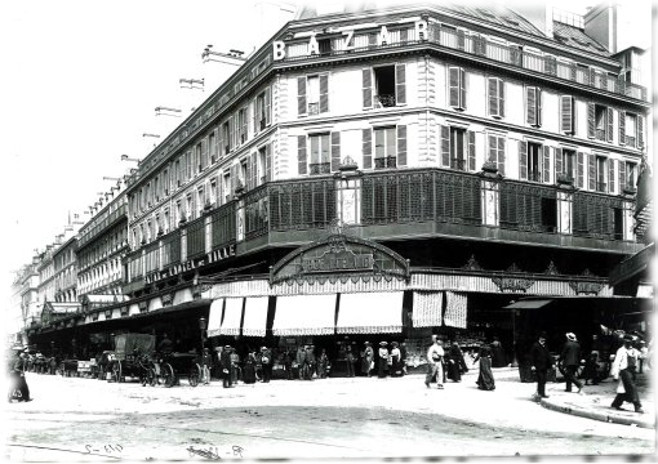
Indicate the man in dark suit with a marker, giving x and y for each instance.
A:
(570, 359)
(542, 361)
(225, 361)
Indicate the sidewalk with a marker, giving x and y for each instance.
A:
(596, 400)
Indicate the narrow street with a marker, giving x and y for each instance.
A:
(84, 419)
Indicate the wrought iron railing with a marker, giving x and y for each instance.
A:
(222, 223)
(171, 249)
(630, 141)
(256, 213)
(319, 168)
(302, 204)
(385, 101)
(527, 207)
(385, 162)
(196, 238)
(594, 216)
(458, 163)
(600, 134)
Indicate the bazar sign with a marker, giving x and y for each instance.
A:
(213, 257)
(279, 46)
(338, 262)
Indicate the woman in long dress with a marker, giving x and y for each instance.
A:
(249, 370)
(485, 379)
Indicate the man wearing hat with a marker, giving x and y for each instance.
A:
(266, 360)
(435, 363)
(542, 361)
(368, 363)
(623, 368)
(225, 361)
(570, 359)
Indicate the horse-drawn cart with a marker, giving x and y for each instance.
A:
(130, 354)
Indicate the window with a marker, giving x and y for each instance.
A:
(385, 147)
(213, 192)
(227, 186)
(567, 114)
(242, 125)
(457, 88)
(496, 152)
(263, 110)
(313, 94)
(165, 225)
(244, 173)
(324, 46)
(565, 164)
(262, 165)
(457, 148)
(533, 106)
(389, 84)
(189, 206)
(631, 130)
(226, 136)
(496, 97)
(599, 122)
(198, 151)
(601, 185)
(319, 156)
(212, 142)
(531, 155)
(631, 175)
(549, 214)
(618, 223)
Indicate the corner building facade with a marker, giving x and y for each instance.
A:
(386, 174)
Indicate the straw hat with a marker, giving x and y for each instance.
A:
(571, 336)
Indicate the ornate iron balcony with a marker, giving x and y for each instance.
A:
(319, 168)
(385, 162)
(386, 100)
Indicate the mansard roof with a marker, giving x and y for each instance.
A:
(576, 37)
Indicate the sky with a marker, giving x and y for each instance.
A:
(79, 83)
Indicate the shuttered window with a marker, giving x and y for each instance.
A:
(384, 86)
(496, 151)
(580, 174)
(533, 106)
(600, 121)
(496, 98)
(312, 94)
(567, 114)
(390, 147)
(457, 87)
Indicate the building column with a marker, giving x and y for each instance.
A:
(348, 193)
(564, 212)
(490, 195)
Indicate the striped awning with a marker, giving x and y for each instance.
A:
(255, 316)
(232, 317)
(215, 317)
(370, 313)
(455, 311)
(305, 315)
(428, 309)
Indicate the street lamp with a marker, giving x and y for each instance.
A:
(202, 328)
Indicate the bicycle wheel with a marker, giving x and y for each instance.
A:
(195, 375)
(168, 375)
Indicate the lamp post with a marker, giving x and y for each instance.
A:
(202, 329)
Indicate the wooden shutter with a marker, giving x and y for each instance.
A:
(531, 105)
(580, 177)
(234, 179)
(640, 131)
(523, 160)
(254, 116)
(367, 87)
(501, 155)
(402, 145)
(301, 95)
(611, 176)
(622, 127)
(454, 89)
(335, 151)
(546, 174)
(302, 165)
(501, 98)
(591, 173)
(252, 170)
(462, 88)
(445, 146)
(471, 150)
(461, 39)
(400, 84)
(622, 176)
(609, 123)
(268, 162)
(567, 114)
(538, 105)
(367, 148)
(558, 163)
(591, 123)
(324, 93)
(220, 140)
(493, 97)
(493, 148)
(268, 106)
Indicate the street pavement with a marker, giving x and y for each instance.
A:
(85, 419)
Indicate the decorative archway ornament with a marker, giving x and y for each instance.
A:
(340, 258)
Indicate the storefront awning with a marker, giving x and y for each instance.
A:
(215, 317)
(428, 308)
(528, 304)
(370, 313)
(232, 317)
(304, 315)
(255, 316)
(455, 312)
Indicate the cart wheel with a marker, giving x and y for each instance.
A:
(117, 372)
(168, 376)
(153, 378)
(195, 375)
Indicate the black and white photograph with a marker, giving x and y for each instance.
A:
(327, 230)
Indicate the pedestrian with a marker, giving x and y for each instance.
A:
(314, 362)
(287, 363)
(368, 359)
(590, 371)
(349, 358)
(382, 360)
(435, 356)
(300, 359)
(485, 379)
(266, 360)
(18, 389)
(623, 369)
(570, 359)
(542, 361)
(249, 371)
(225, 361)
(403, 357)
(456, 364)
(323, 365)
(644, 353)
(206, 365)
(235, 366)
(396, 360)
(498, 358)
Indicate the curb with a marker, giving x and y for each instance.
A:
(595, 415)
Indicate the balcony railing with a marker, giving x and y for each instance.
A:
(601, 187)
(319, 168)
(527, 207)
(594, 215)
(302, 204)
(385, 162)
(630, 141)
(385, 101)
(458, 163)
(600, 134)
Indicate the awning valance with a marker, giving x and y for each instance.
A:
(369, 313)
(232, 317)
(255, 316)
(428, 307)
(215, 317)
(528, 304)
(455, 312)
(305, 315)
